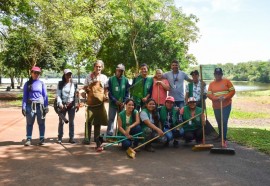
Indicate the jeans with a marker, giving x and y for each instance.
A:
(226, 114)
(173, 134)
(179, 104)
(195, 134)
(71, 116)
(112, 113)
(30, 120)
(127, 143)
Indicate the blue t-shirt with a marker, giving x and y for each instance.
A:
(177, 84)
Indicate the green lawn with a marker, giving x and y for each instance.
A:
(256, 138)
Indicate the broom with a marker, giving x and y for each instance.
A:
(222, 149)
(131, 152)
(100, 148)
(202, 146)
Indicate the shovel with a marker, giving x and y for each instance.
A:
(222, 149)
(132, 153)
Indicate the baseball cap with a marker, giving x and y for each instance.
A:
(169, 98)
(67, 71)
(194, 72)
(191, 99)
(120, 67)
(36, 69)
(218, 71)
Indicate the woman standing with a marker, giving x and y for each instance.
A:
(96, 88)
(128, 124)
(68, 102)
(150, 124)
(160, 88)
(221, 90)
(35, 104)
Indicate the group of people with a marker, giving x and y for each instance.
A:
(153, 106)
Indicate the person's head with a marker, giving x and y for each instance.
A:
(67, 75)
(218, 73)
(120, 68)
(150, 104)
(192, 103)
(130, 105)
(169, 102)
(144, 69)
(98, 66)
(175, 65)
(159, 74)
(35, 72)
(195, 75)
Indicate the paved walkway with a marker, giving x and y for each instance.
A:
(77, 164)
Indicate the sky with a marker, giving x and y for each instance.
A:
(231, 31)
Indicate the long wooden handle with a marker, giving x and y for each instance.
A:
(179, 125)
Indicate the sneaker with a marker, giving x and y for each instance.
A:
(41, 141)
(167, 144)
(59, 140)
(28, 142)
(175, 143)
(149, 148)
(71, 140)
(225, 144)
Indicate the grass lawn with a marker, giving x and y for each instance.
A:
(250, 137)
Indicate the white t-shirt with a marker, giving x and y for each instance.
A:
(102, 78)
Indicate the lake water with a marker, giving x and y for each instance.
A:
(240, 86)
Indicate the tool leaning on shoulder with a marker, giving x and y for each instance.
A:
(131, 152)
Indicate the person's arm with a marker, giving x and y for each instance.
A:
(137, 122)
(187, 78)
(231, 90)
(25, 96)
(165, 84)
(187, 93)
(148, 123)
(210, 94)
(112, 98)
(45, 95)
(120, 128)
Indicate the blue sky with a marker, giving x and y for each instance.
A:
(231, 30)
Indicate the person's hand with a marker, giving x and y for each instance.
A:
(24, 112)
(203, 83)
(160, 132)
(77, 108)
(128, 135)
(46, 110)
(221, 98)
(144, 99)
(128, 130)
(158, 82)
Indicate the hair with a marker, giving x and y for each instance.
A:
(30, 83)
(63, 81)
(175, 61)
(157, 71)
(144, 65)
(133, 115)
(154, 113)
(100, 62)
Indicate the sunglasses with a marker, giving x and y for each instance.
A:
(35, 72)
(192, 102)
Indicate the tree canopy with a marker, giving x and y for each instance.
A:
(57, 34)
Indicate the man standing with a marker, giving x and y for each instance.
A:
(176, 79)
(194, 89)
(142, 86)
(118, 93)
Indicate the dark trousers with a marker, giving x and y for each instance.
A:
(194, 134)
